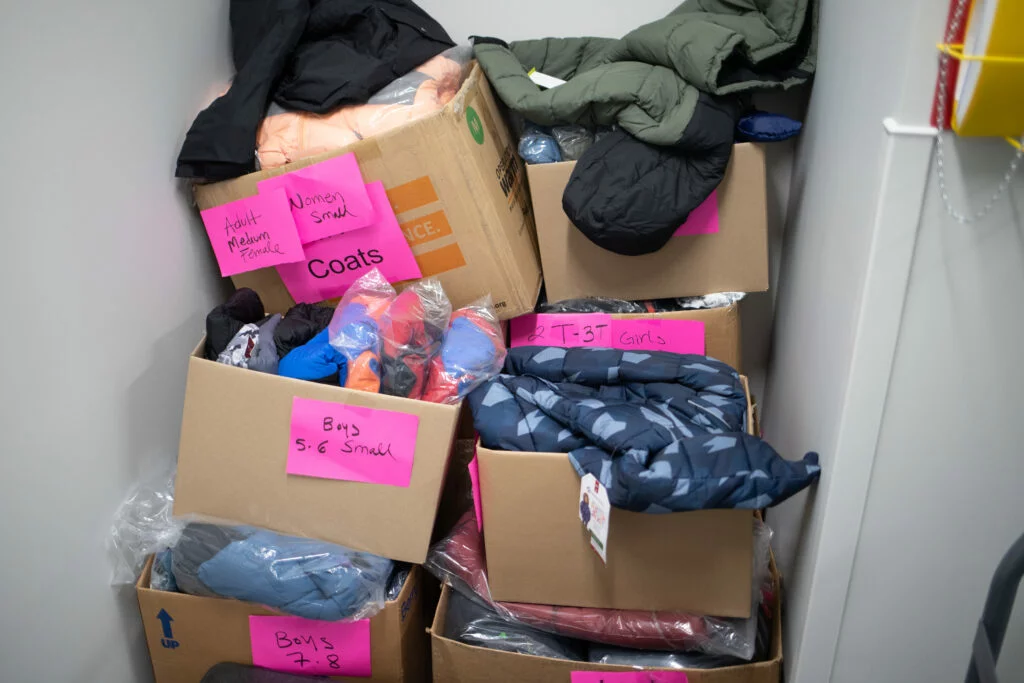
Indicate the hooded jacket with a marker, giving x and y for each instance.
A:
(670, 84)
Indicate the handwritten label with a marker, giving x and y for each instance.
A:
(326, 199)
(562, 329)
(333, 264)
(474, 482)
(656, 334)
(703, 220)
(572, 330)
(311, 647)
(251, 233)
(351, 443)
(628, 677)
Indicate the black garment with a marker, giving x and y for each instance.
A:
(300, 324)
(629, 197)
(223, 322)
(311, 55)
(228, 672)
(473, 624)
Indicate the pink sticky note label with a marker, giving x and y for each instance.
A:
(628, 677)
(252, 233)
(677, 336)
(351, 443)
(326, 199)
(567, 330)
(333, 264)
(306, 646)
(474, 481)
(703, 220)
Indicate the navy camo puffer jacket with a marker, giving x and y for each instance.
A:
(664, 432)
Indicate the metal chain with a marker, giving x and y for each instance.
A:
(940, 154)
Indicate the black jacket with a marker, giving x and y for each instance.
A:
(311, 55)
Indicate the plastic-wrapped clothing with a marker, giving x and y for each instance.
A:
(286, 136)
(316, 360)
(311, 55)
(397, 580)
(472, 352)
(354, 329)
(606, 305)
(301, 323)
(162, 575)
(538, 146)
(652, 659)
(672, 84)
(243, 307)
(473, 624)
(412, 329)
(299, 576)
(229, 672)
(664, 432)
(459, 559)
(762, 126)
(253, 347)
(573, 140)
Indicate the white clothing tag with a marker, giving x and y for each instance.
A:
(543, 80)
(594, 512)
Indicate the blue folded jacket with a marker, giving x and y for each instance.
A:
(300, 576)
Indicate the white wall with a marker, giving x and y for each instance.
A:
(106, 280)
(945, 498)
(811, 403)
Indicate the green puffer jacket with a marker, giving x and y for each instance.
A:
(672, 88)
(648, 81)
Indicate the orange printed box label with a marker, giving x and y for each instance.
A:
(412, 195)
(441, 260)
(426, 228)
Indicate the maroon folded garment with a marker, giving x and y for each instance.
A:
(459, 558)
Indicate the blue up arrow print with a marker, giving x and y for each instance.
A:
(165, 620)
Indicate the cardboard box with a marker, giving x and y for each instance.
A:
(208, 631)
(735, 259)
(538, 551)
(234, 445)
(457, 187)
(455, 662)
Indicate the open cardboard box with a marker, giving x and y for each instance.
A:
(734, 259)
(458, 189)
(539, 552)
(207, 631)
(456, 662)
(233, 454)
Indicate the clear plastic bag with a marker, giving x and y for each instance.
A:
(300, 576)
(573, 140)
(593, 304)
(354, 330)
(397, 581)
(412, 329)
(228, 672)
(143, 526)
(624, 656)
(474, 624)
(286, 136)
(719, 300)
(459, 560)
(473, 352)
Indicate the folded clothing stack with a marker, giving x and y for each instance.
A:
(300, 576)
(557, 631)
(406, 344)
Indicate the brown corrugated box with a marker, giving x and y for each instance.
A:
(233, 452)
(455, 662)
(735, 259)
(457, 187)
(538, 551)
(208, 631)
